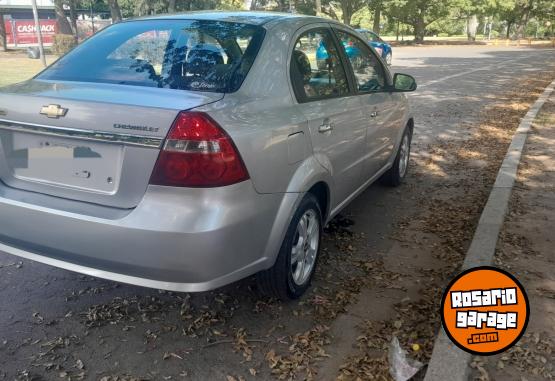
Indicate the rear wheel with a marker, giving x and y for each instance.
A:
(395, 175)
(292, 272)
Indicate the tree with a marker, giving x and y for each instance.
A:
(518, 12)
(3, 41)
(63, 24)
(318, 7)
(471, 27)
(115, 11)
(420, 13)
(171, 6)
(73, 17)
(376, 7)
(524, 18)
(469, 10)
(348, 8)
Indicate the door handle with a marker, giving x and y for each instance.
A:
(373, 114)
(325, 127)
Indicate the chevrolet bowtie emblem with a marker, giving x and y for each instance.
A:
(53, 111)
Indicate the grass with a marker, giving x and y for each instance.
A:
(16, 67)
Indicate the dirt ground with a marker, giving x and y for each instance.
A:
(526, 249)
(432, 242)
(383, 266)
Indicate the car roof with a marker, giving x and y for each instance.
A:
(246, 17)
(367, 31)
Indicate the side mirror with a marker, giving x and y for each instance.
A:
(403, 82)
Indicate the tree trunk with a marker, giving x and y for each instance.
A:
(509, 24)
(419, 30)
(73, 18)
(347, 12)
(328, 10)
(63, 24)
(471, 27)
(377, 17)
(171, 6)
(521, 28)
(115, 11)
(318, 6)
(3, 43)
(282, 7)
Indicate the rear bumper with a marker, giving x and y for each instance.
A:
(175, 239)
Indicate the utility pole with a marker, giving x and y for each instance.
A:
(38, 32)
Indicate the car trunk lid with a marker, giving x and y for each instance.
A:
(90, 142)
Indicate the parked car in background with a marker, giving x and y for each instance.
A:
(350, 50)
(382, 47)
(186, 152)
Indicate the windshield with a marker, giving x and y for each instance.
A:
(178, 54)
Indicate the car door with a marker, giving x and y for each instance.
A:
(372, 84)
(324, 93)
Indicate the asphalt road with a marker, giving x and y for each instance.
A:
(56, 324)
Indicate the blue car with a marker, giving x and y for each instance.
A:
(381, 47)
(322, 54)
(378, 44)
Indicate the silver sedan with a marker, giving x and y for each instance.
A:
(186, 152)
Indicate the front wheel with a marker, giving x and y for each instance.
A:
(388, 58)
(292, 272)
(395, 175)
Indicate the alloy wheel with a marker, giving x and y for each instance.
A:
(404, 154)
(305, 247)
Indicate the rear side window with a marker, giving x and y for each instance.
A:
(178, 54)
(316, 69)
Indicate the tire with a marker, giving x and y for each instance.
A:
(388, 58)
(398, 171)
(286, 280)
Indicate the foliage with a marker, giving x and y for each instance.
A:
(420, 13)
(447, 27)
(62, 43)
(417, 17)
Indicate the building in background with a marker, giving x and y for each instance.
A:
(20, 26)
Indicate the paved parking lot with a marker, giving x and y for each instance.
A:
(59, 325)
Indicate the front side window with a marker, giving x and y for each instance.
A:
(369, 73)
(316, 69)
(179, 54)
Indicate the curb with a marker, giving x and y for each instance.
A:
(448, 362)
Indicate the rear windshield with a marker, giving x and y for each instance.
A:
(195, 55)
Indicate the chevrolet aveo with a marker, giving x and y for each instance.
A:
(185, 152)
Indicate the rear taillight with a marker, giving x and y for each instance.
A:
(198, 153)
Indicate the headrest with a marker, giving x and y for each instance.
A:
(303, 65)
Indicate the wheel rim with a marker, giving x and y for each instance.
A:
(388, 58)
(305, 247)
(404, 156)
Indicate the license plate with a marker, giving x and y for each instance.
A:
(66, 162)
